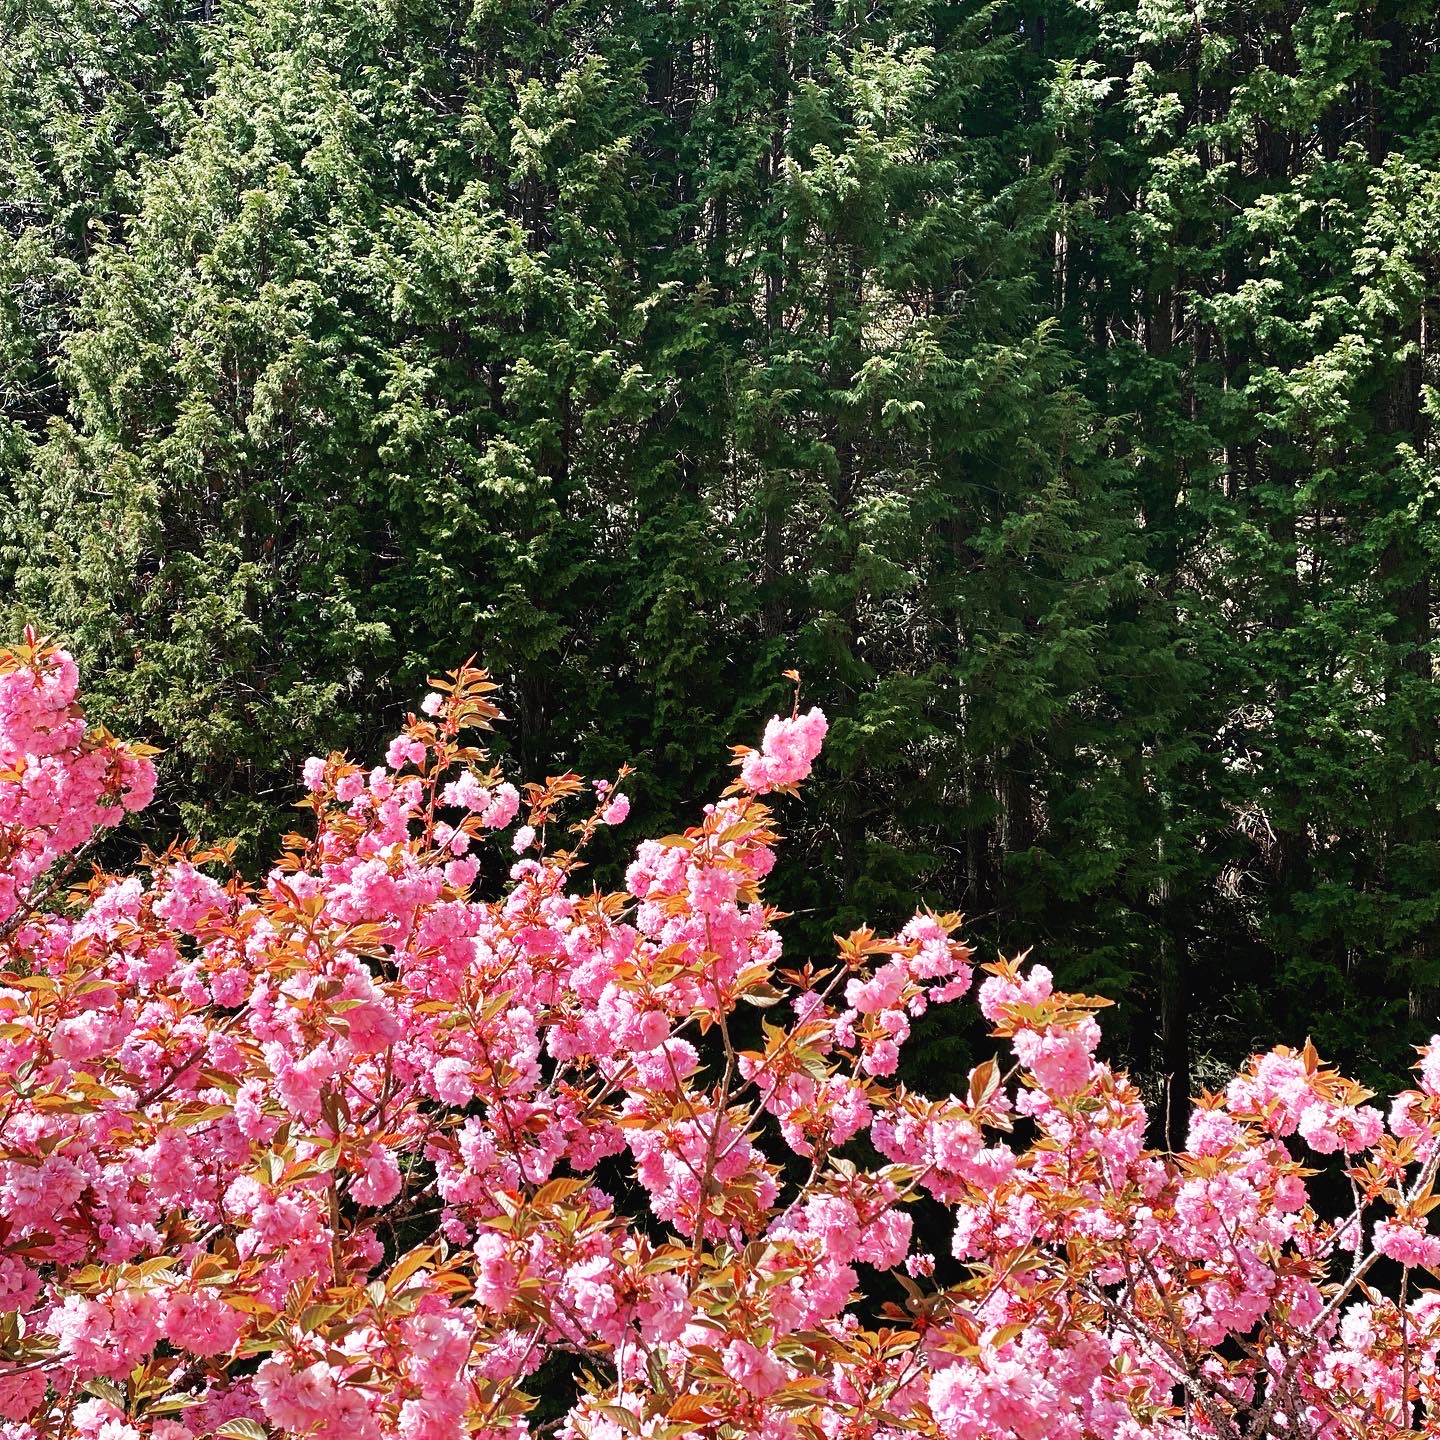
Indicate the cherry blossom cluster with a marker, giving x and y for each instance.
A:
(60, 781)
(376, 1147)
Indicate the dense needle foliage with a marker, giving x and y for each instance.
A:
(1049, 382)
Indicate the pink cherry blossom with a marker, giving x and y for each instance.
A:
(350, 1151)
(787, 753)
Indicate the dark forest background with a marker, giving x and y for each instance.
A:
(1050, 382)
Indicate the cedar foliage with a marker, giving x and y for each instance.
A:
(1051, 383)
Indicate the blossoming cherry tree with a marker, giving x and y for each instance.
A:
(367, 1148)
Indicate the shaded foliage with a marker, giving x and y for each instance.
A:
(1048, 382)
